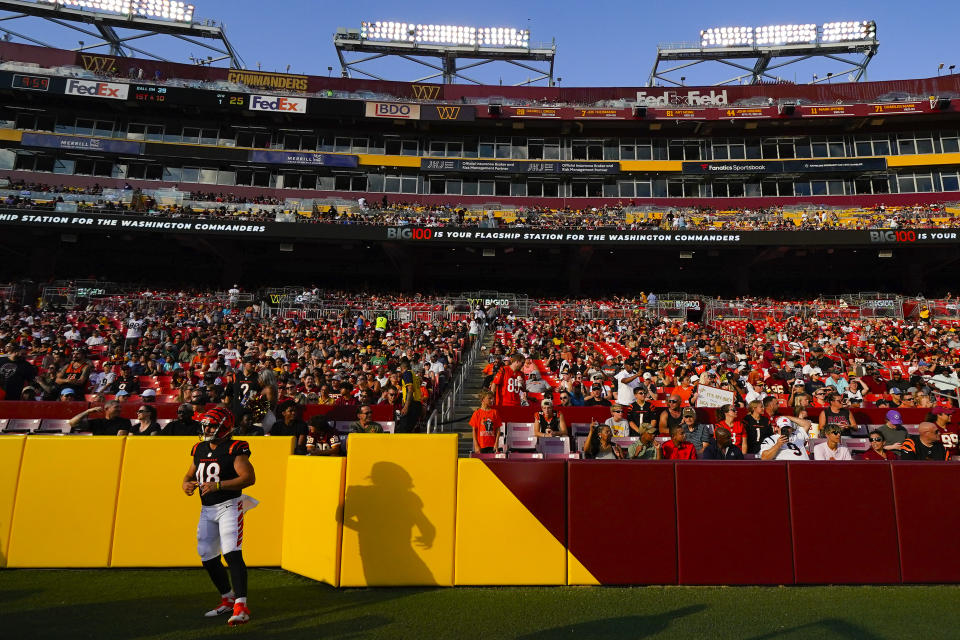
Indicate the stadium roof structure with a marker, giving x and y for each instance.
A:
(137, 19)
(754, 50)
(429, 41)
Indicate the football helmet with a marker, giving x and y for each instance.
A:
(219, 417)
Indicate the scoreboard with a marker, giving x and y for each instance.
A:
(26, 82)
(181, 96)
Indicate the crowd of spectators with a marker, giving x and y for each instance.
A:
(791, 388)
(197, 351)
(623, 216)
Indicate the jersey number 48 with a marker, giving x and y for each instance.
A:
(208, 472)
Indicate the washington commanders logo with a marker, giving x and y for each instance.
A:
(425, 91)
(99, 64)
(275, 298)
(448, 113)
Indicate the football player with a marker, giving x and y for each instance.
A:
(221, 469)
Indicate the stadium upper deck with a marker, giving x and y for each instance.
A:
(89, 117)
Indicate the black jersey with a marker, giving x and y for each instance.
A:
(548, 424)
(245, 386)
(914, 449)
(216, 465)
(757, 431)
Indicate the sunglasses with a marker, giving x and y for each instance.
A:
(616, 411)
(876, 439)
(673, 401)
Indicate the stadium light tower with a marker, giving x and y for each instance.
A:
(448, 43)
(101, 19)
(762, 45)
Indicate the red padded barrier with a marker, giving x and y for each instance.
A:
(622, 520)
(733, 523)
(841, 506)
(25, 409)
(165, 410)
(541, 487)
(926, 516)
(583, 414)
(381, 412)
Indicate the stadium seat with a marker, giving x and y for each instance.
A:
(524, 455)
(855, 444)
(488, 456)
(554, 446)
(22, 425)
(520, 436)
(53, 425)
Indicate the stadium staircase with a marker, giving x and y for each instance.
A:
(469, 401)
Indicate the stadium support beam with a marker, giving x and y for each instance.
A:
(348, 42)
(755, 61)
(103, 29)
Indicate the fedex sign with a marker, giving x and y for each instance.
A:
(91, 89)
(278, 104)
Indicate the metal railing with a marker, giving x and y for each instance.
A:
(445, 407)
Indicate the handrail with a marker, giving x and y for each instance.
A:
(446, 406)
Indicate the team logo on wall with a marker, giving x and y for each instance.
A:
(425, 91)
(448, 113)
(99, 64)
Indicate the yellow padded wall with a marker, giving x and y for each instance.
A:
(152, 506)
(399, 510)
(156, 522)
(577, 573)
(499, 541)
(313, 510)
(66, 502)
(263, 527)
(11, 453)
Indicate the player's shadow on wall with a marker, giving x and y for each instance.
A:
(384, 514)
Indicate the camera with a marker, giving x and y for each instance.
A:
(786, 432)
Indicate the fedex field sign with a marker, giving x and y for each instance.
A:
(90, 89)
(394, 110)
(278, 104)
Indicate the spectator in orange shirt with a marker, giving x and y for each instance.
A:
(687, 391)
(485, 424)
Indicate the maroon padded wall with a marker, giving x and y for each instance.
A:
(844, 524)
(928, 520)
(622, 522)
(733, 523)
(542, 488)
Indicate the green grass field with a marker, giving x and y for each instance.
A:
(170, 603)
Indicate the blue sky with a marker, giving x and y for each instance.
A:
(599, 42)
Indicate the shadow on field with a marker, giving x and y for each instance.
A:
(622, 627)
(9, 595)
(836, 628)
(276, 611)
